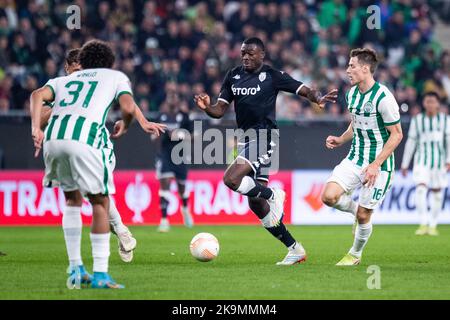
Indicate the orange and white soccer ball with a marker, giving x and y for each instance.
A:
(204, 247)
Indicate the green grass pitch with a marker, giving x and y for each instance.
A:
(411, 267)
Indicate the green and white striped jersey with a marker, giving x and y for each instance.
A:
(429, 137)
(371, 112)
(81, 102)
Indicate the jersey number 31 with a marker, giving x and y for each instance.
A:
(75, 88)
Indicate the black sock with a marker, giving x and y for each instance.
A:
(185, 201)
(260, 191)
(282, 234)
(163, 204)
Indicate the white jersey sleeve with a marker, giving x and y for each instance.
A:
(410, 145)
(123, 85)
(389, 110)
(52, 85)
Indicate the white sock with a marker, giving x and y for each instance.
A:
(266, 221)
(296, 247)
(436, 207)
(246, 185)
(346, 204)
(362, 235)
(164, 222)
(115, 219)
(421, 204)
(100, 251)
(72, 224)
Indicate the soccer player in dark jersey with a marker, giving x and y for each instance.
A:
(166, 169)
(253, 87)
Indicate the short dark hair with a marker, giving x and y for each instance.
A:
(432, 94)
(256, 41)
(96, 54)
(72, 56)
(366, 56)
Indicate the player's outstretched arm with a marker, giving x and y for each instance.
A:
(148, 126)
(203, 101)
(127, 107)
(129, 110)
(315, 96)
(37, 99)
(335, 142)
(372, 170)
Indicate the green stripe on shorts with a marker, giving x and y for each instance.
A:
(387, 182)
(105, 173)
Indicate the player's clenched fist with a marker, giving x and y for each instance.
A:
(333, 142)
(202, 101)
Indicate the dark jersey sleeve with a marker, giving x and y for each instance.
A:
(225, 92)
(284, 82)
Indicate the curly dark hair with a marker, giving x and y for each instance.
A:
(72, 56)
(96, 54)
(366, 56)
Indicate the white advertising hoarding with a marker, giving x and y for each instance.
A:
(397, 208)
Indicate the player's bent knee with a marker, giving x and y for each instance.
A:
(73, 198)
(363, 215)
(232, 182)
(330, 199)
(100, 199)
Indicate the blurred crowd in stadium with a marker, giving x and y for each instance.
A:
(186, 47)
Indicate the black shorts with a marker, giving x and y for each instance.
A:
(258, 151)
(165, 168)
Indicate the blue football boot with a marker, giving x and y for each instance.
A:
(102, 280)
(78, 277)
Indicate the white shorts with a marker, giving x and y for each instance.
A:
(73, 165)
(432, 178)
(349, 176)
